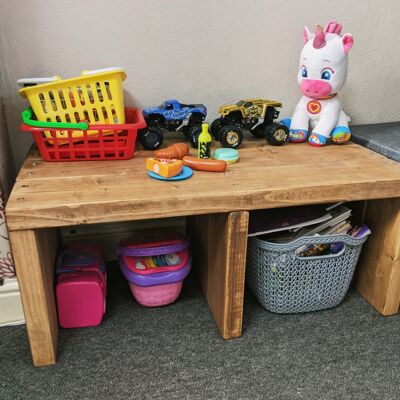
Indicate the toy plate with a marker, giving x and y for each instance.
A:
(184, 174)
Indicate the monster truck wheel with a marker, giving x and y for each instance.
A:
(276, 134)
(151, 137)
(230, 136)
(259, 131)
(193, 132)
(216, 125)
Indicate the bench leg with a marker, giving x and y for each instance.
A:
(219, 255)
(378, 278)
(34, 253)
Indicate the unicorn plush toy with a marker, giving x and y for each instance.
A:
(322, 73)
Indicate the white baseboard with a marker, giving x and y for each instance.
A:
(11, 312)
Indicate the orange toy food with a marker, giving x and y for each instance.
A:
(177, 150)
(164, 167)
(202, 164)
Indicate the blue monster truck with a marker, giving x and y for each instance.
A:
(171, 116)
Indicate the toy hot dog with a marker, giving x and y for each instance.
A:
(204, 164)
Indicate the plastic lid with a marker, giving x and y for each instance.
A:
(72, 260)
(24, 82)
(226, 154)
(104, 70)
(146, 244)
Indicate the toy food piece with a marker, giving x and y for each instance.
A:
(204, 142)
(228, 155)
(204, 164)
(163, 167)
(177, 151)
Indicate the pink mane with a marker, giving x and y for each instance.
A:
(333, 27)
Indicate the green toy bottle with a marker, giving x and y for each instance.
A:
(204, 147)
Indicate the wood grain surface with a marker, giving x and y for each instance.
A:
(34, 254)
(378, 272)
(63, 194)
(219, 245)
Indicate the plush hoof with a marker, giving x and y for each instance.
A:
(286, 122)
(341, 134)
(317, 140)
(298, 135)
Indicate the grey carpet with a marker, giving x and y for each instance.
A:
(176, 352)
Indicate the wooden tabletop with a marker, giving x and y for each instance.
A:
(50, 194)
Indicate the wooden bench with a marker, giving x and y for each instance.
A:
(48, 196)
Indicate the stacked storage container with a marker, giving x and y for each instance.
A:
(81, 286)
(155, 266)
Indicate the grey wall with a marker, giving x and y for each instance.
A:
(7, 167)
(198, 51)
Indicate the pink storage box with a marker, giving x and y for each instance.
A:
(81, 286)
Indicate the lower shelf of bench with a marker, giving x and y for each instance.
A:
(219, 253)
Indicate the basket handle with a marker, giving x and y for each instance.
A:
(341, 239)
(27, 116)
(333, 255)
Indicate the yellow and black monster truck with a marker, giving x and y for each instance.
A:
(254, 115)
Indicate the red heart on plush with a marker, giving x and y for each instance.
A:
(314, 107)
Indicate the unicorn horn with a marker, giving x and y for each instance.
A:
(319, 38)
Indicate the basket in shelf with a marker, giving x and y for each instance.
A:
(96, 142)
(284, 282)
(95, 97)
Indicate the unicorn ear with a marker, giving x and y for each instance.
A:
(306, 35)
(347, 41)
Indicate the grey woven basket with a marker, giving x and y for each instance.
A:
(283, 282)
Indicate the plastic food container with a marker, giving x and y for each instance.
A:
(155, 266)
(81, 286)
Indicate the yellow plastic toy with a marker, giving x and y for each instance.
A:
(96, 97)
(204, 142)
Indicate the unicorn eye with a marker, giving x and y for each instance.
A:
(326, 74)
(303, 70)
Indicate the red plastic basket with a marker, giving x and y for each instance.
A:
(112, 142)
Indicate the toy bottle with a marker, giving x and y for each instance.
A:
(204, 146)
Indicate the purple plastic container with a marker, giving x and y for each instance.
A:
(153, 287)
